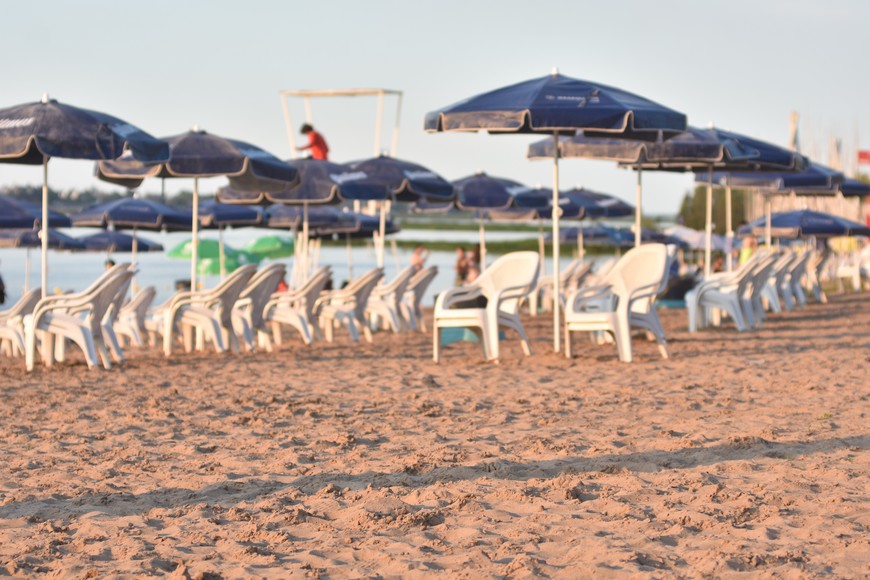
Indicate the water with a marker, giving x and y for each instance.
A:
(74, 271)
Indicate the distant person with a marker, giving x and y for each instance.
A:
(473, 265)
(2, 291)
(110, 263)
(461, 267)
(419, 257)
(747, 247)
(316, 143)
(282, 285)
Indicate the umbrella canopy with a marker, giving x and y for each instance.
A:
(30, 238)
(19, 213)
(596, 204)
(271, 246)
(291, 217)
(133, 213)
(198, 154)
(482, 191)
(804, 223)
(813, 178)
(35, 132)
(214, 214)
(557, 104)
(320, 182)
(118, 242)
(404, 180)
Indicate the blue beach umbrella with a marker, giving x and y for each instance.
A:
(804, 223)
(482, 193)
(134, 214)
(19, 213)
(554, 105)
(112, 242)
(197, 154)
(32, 238)
(33, 133)
(320, 182)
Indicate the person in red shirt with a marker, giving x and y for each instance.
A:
(316, 143)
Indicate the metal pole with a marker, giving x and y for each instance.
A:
(221, 255)
(135, 252)
(557, 300)
(349, 257)
(194, 241)
(305, 270)
(395, 148)
(768, 210)
(708, 225)
(27, 270)
(289, 122)
(729, 225)
(44, 230)
(382, 232)
(638, 197)
(379, 122)
(482, 235)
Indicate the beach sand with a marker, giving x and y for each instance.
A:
(742, 454)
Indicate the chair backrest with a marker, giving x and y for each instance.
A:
(639, 269)
(418, 285)
(24, 305)
(364, 289)
(396, 287)
(139, 304)
(259, 289)
(515, 269)
(225, 294)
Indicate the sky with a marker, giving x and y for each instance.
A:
(167, 66)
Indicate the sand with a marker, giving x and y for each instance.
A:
(745, 454)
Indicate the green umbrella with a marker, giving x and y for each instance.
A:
(271, 246)
(209, 256)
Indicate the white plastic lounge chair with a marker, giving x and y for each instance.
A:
(207, 312)
(489, 303)
(721, 292)
(295, 308)
(412, 311)
(383, 307)
(247, 312)
(643, 313)
(347, 306)
(131, 319)
(76, 317)
(637, 276)
(12, 323)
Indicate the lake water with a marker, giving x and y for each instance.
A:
(75, 271)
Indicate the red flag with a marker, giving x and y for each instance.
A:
(864, 156)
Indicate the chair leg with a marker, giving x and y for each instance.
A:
(436, 343)
(622, 336)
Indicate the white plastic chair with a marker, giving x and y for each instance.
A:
(721, 292)
(411, 306)
(247, 314)
(131, 318)
(207, 312)
(12, 323)
(295, 308)
(383, 307)
(503, 287)
(77, 317)
(637, 276)
(347, 306)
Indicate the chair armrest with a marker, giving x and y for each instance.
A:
(450, 297)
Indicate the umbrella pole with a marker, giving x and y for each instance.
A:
(638, 196)
(221, 255)
(581, 249)
(194, 242)
(382, 233)
(27, 271)
(305, 270)
(44, 230)
(482, 234)
(767, 219)
(349, 257)
(729, 226)
(708, 225)
(557, 301)
(133, 266)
